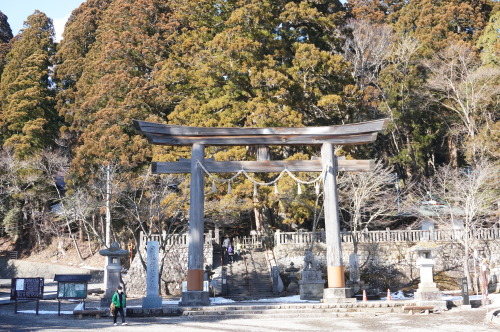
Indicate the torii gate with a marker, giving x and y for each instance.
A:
(199, 137)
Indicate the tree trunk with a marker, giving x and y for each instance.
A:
(74, 241)
(259, 216)
(466, 263)
(91, 253)
(80, 230)
(452, 147)
(355, 238)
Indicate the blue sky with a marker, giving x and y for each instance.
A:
(18, 11)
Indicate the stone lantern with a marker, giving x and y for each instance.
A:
(427, 291)
(293, 287)
(113, 270)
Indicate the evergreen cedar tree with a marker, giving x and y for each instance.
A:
(254, 63)
(5, 37)
(28, 119)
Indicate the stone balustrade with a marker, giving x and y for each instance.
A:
(283, 238)
(445, 235)
(179, 240)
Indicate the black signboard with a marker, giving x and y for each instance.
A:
(26, 288)
(465, 292)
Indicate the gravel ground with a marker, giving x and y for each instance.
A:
(455, 320)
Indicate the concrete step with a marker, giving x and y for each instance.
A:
(290, 311)
(247, 298)
(278, 316)
(261, 295)
(382, 305)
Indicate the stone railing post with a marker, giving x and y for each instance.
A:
(217, 235)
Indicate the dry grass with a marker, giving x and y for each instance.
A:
(64, 253)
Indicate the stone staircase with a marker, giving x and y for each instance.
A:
(248, 277)
(291, 310)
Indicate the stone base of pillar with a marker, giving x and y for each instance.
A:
(105, 302)
(428, 292)
(438, 305)
(151, 302)
(195, 299)
(312, 291)
(338, 295)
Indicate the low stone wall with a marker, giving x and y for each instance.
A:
(173, 274)
(396, 258)
(394, 262)
(15, 268)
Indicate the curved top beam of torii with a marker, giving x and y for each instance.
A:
(349, 134)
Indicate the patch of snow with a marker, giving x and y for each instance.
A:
(220, 300)
(87, 267)
(45, 312)
(294, 298)
(450, 298)
(79, 306)
(399, 295)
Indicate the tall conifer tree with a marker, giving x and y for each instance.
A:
(258, 63)
(5, 30)
(437, 24)
(5, 37)
(78, 37)
(489, 41)
(28, 121)
(110, 90)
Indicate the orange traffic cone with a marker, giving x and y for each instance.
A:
(389, 297)
(365, 299)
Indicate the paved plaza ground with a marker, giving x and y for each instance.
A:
(455, 320)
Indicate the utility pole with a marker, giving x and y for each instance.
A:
(108, 222)
(108, 204)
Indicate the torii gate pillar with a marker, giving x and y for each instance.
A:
(195, 296)
(336, 291)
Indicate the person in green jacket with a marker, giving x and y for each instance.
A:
(120, 300)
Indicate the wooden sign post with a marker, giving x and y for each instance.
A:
(199, 137)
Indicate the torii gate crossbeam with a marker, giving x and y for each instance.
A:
(199, 137)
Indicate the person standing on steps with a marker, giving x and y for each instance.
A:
(225, 245)
(120, 301)
(230, 252)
